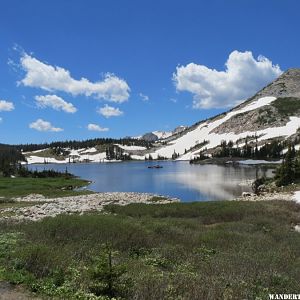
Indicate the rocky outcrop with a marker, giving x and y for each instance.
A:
(267, 196)
(149, 137)
(254, 120)
(286, 85)
(286, 89)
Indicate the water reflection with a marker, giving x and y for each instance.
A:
(176, 179)
(216, 182)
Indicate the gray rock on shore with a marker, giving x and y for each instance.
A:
(77, 204)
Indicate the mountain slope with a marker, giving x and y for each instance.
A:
(274, 112)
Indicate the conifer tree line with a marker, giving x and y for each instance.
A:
(272, 150)
(9, 159)
(84, 144)
(289, 171)
(113, 152)
(10, 165)
(268, 150)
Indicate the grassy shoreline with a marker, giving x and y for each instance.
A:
(48, 187)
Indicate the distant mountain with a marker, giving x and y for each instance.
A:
(150, 137)
(161, 135)
(179, 129)
(272, 113)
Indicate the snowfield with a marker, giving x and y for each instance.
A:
(89, 150)
(162, 134)
(40, 160)
(129, 148)
(36, 151)
(99, 157)
(258, 162)
(204, 132)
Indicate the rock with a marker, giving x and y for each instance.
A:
(246, 194)
(261, 188)
(80, 204)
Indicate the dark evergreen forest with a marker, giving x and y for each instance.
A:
(83, 144)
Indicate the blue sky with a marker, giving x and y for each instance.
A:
(154, 64)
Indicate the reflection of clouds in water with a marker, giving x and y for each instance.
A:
(215, 182)
(177, 179)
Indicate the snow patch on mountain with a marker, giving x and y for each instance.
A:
(89, 150)
(162, 134)
(259, 162)
(98, 157)
(203, 132)
(130, 148)
(75, 155)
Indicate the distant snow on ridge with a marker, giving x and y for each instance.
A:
(203, 132)
(162, 134)
(125, 147)
(75, 155)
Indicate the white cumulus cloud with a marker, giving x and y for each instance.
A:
(109, 111)
(42, 125)
(243, 77)
(53, 78)
(95, 127)
(55, 102)
(6, 105)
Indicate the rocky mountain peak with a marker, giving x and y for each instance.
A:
(286, 90)
(286, 85)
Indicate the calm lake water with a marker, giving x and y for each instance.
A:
(176, 179)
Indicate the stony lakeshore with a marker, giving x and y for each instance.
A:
(267, 196)
(51, 207)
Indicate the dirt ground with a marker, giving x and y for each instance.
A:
(12, 292)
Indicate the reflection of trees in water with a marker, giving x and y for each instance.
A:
(253, 171)
(263, 171)
(190, 182)
(218, 182)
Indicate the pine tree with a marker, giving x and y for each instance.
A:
(286, 172)
(297, 167)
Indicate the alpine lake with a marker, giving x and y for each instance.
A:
(177, 179)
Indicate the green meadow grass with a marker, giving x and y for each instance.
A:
(49, 187)
(208, 250)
